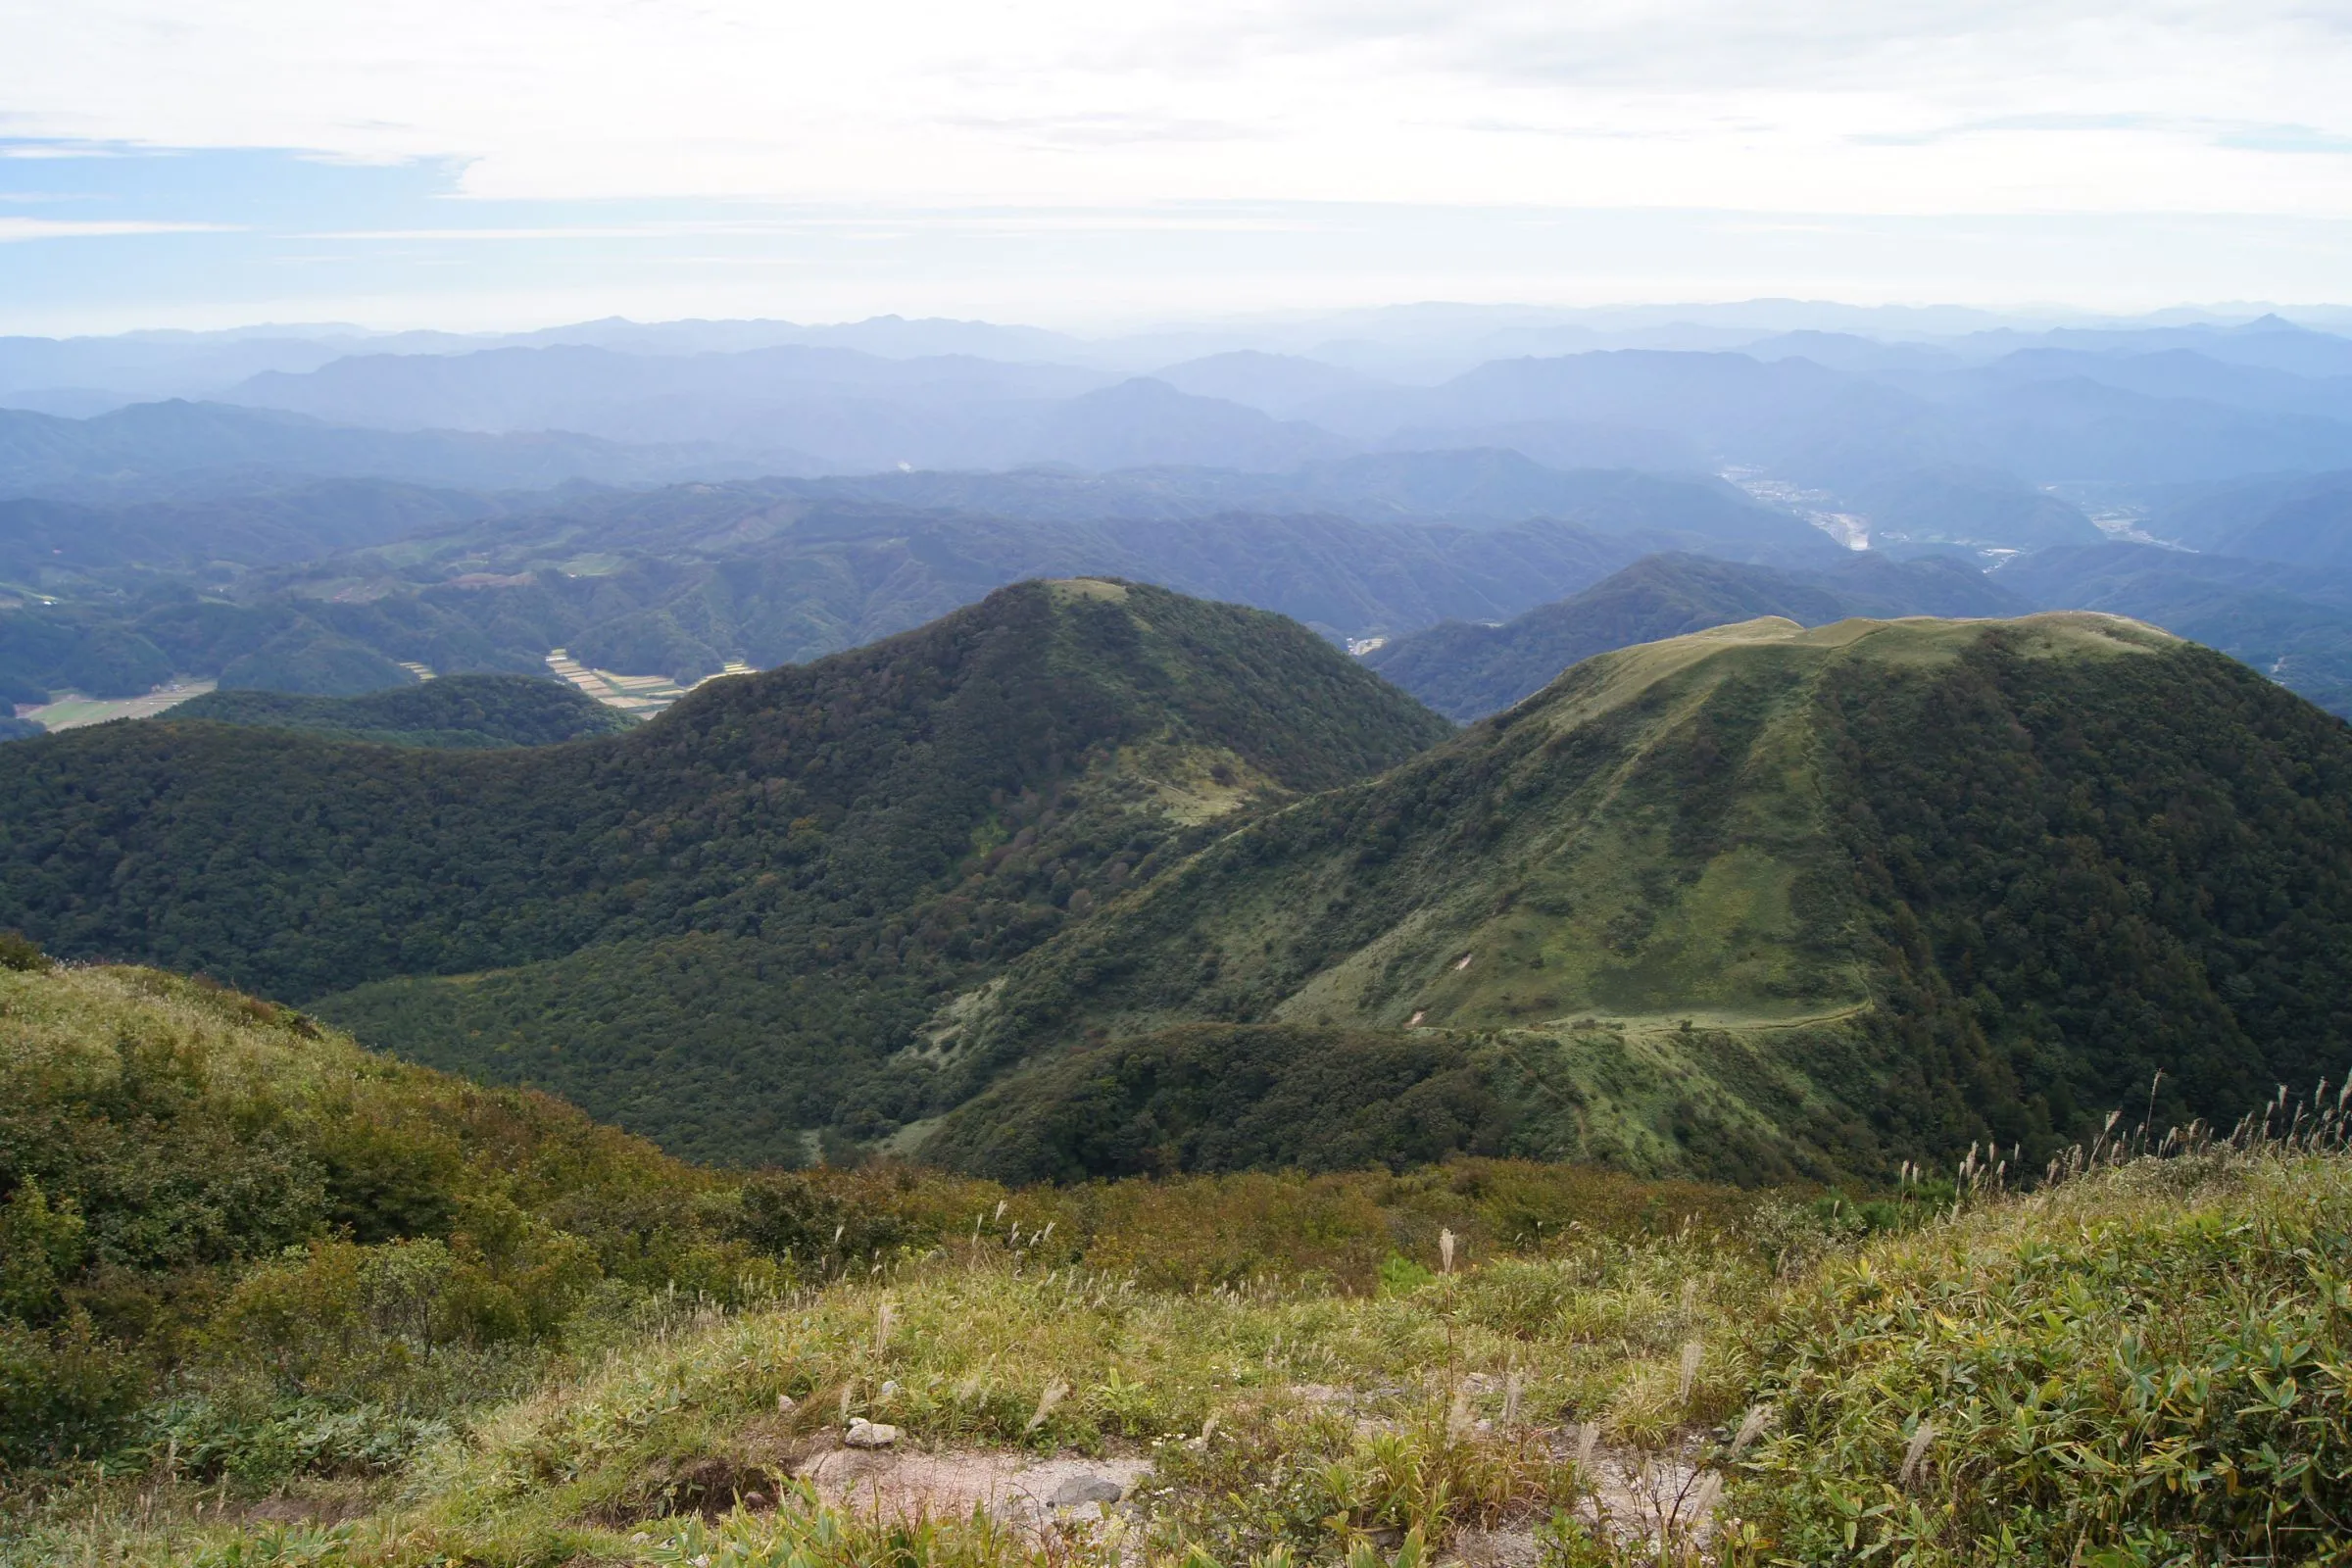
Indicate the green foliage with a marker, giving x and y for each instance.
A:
(41, 1245)
(21, 953)
(721, 928)
(49, 648)
(230, 1237)
(65, 1390)
(1211, 1098)
(310, 659)
(821, 1230)
(2144, 1365)
(198, 1185)
(2085, 872)
(463, 711)
(2155, 1365)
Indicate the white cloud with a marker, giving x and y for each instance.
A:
(1938, 106)
(13, 230)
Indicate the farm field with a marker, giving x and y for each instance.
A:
(73, 711)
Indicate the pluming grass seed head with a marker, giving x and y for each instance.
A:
(1921, 1437)
(1751, 1427)
(1055, 1392)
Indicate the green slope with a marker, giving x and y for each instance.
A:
(1467, 671)
(210, 1200)
(459, 712)
(718, 928)
(1755, 902)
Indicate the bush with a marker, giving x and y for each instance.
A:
(20, 952)
(788, 1216)
(63, 1392)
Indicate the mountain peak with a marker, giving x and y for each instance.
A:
(779, 878)
(1745, 902)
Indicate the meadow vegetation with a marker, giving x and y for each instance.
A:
(499, 1335)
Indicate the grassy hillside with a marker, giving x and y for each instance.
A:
(1489, 1361)
(1760, 902)
(209, 1202)
(242, 1254)
(457, 712)
(721, 928)
(1468, 671)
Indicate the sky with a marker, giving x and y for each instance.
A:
(484, 164)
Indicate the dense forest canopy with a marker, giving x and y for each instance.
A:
(463, 711)
(719, 926)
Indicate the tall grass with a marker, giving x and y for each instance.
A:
(2147, 1358)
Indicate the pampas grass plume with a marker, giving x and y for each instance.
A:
(1918, 1450)
(1055, 1392)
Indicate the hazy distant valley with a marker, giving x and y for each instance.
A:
(334, 514)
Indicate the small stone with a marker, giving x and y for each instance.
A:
(784, 1404)
(890, 1391)
(1079, 1491)
(865, 1433)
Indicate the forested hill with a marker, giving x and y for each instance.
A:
(717, 927)
(1758, 901)
(460, 712)
(1467, 671)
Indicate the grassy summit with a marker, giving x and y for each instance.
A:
(1755, 902)
(1467, 671)
(720, 927)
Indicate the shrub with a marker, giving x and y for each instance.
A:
(20, 952)
(63, 1392)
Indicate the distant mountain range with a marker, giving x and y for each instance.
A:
(2044, 414)
(1970, 432)
(159, 450)
(664, 499)
(682, 580)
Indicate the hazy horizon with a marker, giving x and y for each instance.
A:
(507, 164)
